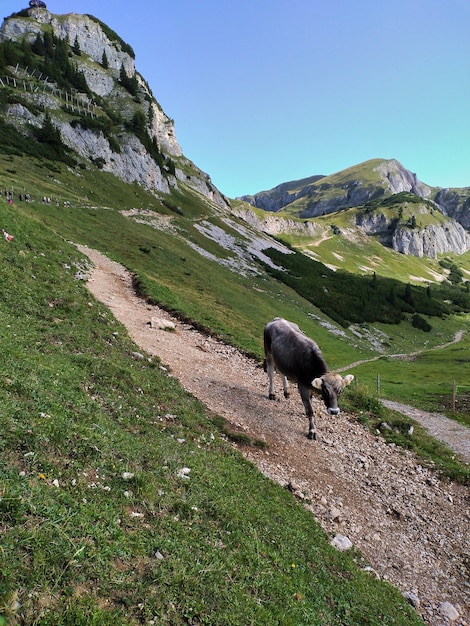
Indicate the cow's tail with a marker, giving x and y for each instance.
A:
(267, 348)
(267, 340)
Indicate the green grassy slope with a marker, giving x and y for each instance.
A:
(99, 525)
(174, 273)
(169, 268)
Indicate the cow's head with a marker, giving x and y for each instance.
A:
(331, 385)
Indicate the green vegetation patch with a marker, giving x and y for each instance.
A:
(348, 298)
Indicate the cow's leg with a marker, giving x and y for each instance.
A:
(285, 386)
(270, 370)
(312, 433)
(305, 395)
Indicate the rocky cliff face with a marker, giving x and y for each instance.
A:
(431, 240)
(132, 162)
(88, 32)
(428, 241)
(400, 179)
(456, 203)
(275, 225)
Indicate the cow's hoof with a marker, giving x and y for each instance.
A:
(286, 394)
(312, 435)
(272, 396)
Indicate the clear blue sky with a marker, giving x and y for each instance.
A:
(264, 92)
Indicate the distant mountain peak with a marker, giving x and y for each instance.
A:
(351, 187)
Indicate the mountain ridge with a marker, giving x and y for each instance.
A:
(389, 174)
(364, 187)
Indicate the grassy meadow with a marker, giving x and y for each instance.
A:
(120, 497)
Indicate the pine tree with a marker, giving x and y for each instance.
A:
(76, 47)
(27, 56)
(11, 53)
(170, 167)
(48, 44)
(138, 122)
(38, 46)
(104, 60)
(409, 295)
(129, 83)
(49, 134)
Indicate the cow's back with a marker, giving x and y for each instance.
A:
(294, 354)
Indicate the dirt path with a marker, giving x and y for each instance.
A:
(455, 435)
(457, 337)
(412, 528)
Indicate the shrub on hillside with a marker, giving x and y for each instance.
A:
(419, 322)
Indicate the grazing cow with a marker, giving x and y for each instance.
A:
(297, 358)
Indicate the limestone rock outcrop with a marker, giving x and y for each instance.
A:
(432, 240)
(456, 203)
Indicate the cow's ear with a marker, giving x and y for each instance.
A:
(317, 383)
(348, 379)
